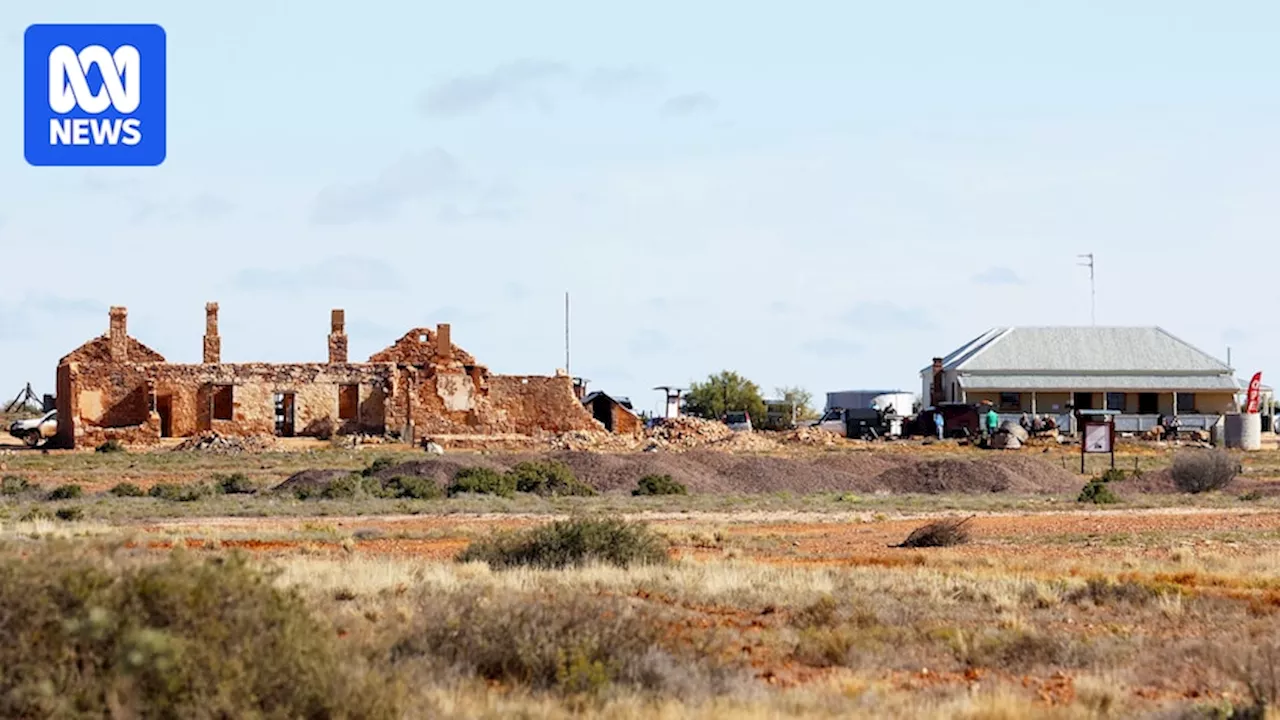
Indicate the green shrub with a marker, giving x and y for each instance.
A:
(127, 489)
(573, 542)
(69, 514)
(482, 481)
(1112, 475)
(178, 638)
(70, 491)
(1200, 471)
(659, 485)
(1097, 491)
(378, 465)
(548, 478)
(14, 485)
(110, 446)
(235, 484)
(179, 493)
(412, 488)
(35, 514)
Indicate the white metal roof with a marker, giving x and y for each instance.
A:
(1073, 350)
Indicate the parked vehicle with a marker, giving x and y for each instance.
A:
(856, 423)
(739, 421)
(36, 430)
(959, 420)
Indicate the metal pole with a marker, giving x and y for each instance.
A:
(566, 335)
(1093, 297)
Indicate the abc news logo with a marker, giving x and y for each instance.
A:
(69, 88)
(94, 95)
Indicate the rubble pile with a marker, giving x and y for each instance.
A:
(594, 441)
(684, 432)
(809, 435)
(357, 439)
(213, 442)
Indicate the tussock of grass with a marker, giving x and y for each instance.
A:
(127, 489)
(70, 491)
(574, 542)
(941, 533)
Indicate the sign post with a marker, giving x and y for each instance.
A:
(1098, 436)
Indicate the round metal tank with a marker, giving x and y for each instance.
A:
(1244, 431)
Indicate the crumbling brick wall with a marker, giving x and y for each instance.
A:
(529, 403)
(420, 347)
(98, 401)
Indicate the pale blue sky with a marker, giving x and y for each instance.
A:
(815, 193)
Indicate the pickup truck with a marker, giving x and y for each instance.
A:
(36, 430)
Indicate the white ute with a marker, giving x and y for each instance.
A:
(36, 430)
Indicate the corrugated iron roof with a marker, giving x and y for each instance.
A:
(1082, 349)
(1013, 382)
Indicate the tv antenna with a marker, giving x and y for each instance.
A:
(1093, 294)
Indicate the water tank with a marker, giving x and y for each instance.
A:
(1244, 431)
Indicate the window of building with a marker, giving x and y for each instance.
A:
(1115, 401)
(1010, 401)
(1186, 402)
(348, 402)
(223, 402)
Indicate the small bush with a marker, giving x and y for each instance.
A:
(70, 491)
(235, 484)
(378, 465)
(1112, 475)
(482, 481)
(35, 514)
(573, 644)
(573, 542)
(69, 514)
(548, 478)
(110, 446)
(179, 493)
(412, 488)
(14, 485)
(177, 638)
(1097, 491)
(1202, 471)
(1251, 496)
(942, 533)
(127, 489)
(1102, 592)
(659, 485)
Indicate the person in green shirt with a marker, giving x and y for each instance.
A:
(993, 421)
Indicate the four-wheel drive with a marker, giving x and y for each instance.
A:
(36, 430)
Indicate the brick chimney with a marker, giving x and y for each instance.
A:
(444, 343)
(118, 335)
(212, 343)
(935, 394)
(337, 337)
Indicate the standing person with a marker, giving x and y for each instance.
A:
(993, 421)
(939, 422)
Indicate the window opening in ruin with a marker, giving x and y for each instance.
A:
(223, 402)
(285, 403)
(348, 401)
(422, 338)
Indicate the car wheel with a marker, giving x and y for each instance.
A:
(32, 439)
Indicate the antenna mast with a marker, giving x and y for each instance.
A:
(566, 333)
(1093, 294)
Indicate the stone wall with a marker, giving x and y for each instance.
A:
(528, 403)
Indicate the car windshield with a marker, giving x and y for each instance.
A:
(735, 418)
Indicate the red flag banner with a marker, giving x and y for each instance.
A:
(1255, 392)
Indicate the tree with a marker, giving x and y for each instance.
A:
(800, 399)
(724, 392)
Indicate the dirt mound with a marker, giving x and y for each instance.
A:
(309, 480)
(214, 442)
(1011, 475)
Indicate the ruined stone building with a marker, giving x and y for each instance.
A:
(114, 387)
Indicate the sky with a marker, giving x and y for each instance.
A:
(821, 194)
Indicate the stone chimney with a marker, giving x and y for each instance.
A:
(212, 343)
(118, 335)
(444, 343)
(936, 394)
(337, 337)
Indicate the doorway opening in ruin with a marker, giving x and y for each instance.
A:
(603, 412)
(164, 408)
(285, 403)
